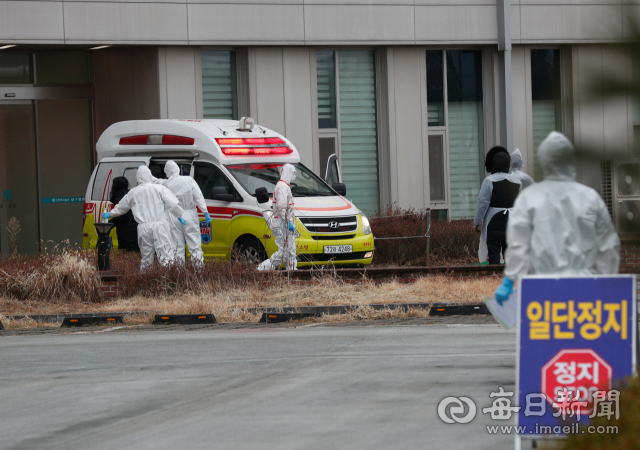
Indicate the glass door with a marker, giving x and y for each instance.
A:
(18, 178)
(65, 164)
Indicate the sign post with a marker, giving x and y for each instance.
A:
(576, 338)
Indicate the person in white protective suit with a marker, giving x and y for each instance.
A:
(559, 226)
(497, 195)
(282, 223)
(190, 196)
(516, 169)
(150, 203)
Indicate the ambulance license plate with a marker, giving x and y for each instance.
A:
(338, 249)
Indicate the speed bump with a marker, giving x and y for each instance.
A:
(286, 317)
(183, 319)
(82, 321)
(457, 310)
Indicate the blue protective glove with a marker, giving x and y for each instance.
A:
(504, 291)
(207, 218)
(106, 215)
(291, 227)
(182, 221)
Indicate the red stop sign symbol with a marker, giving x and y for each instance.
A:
(581, 372)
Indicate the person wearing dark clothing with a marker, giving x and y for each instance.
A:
(126, 225)
(497, 195)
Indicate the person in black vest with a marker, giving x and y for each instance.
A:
(497, 195)
(126, 225)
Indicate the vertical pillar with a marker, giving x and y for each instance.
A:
(505, 105)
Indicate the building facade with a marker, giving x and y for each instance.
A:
(410, 94)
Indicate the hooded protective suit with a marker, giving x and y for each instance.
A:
(150, 204)
(189, 195)
(282, 222)
(516, 169)
(560, 226)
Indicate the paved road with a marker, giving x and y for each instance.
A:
(310, 387)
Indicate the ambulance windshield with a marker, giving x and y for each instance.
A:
(253, 176)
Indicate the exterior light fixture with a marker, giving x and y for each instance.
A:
(6, 46)
(98, 48)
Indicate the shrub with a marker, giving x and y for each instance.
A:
(452, 242)
(69, 275)
(215, 276)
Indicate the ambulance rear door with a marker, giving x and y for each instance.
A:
(110, 168)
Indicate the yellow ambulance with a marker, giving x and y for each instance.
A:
(236, 164)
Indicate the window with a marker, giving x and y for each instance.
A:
(326, 89)
(107, 172)
(63, 68)
(327, 148)
(157, 168)
(209, 176)
(347, 102)
(546, 108)
(456, 129)
(436, 168)
(435, 88)
(130, 175)
(219, 84)
(254, 176)
(15, 68)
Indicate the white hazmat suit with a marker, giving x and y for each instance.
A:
(151, 204)
(516, 169)
(190, 196)
(559, 226)
(283, 213)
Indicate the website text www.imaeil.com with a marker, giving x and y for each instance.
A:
(566, 406)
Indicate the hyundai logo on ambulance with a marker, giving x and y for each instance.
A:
(230, 160)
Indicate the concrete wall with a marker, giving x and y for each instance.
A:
(308, 22)
(406, 121)
(602, 127)
(283, 95)
(126, 86)
(180, 82)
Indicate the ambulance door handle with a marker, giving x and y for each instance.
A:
(235, 211)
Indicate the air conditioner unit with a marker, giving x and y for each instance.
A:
(629, 216)
(626, 185)
(628, 179)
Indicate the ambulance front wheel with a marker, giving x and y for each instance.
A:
(252, 250)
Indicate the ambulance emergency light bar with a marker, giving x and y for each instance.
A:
(156, 139)
(224, 144)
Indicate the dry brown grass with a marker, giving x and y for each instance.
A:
(235, 305)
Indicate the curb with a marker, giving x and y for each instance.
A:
(328, 310)
(61, 317)
(339, 309)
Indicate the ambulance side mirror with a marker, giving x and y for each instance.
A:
(262, 195)
(220, 193)
(340, 188)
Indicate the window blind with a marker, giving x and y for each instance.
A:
(358, 128)
(544, 120)
(465, 157)
(219, 85)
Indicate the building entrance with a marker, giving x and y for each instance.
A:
(46, 158)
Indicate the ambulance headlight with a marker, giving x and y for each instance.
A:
(366, 227)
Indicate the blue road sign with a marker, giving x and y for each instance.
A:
(576, 338)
